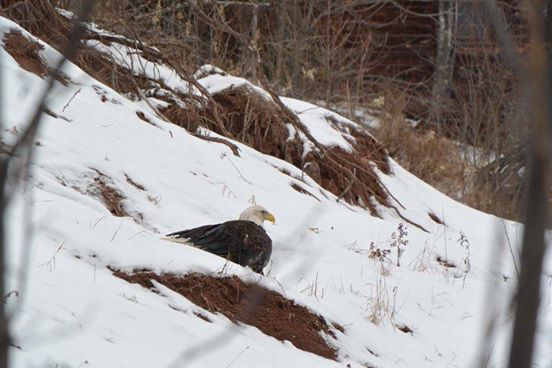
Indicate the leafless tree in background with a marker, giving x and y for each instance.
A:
(444, 62)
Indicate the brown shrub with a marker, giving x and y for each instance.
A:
(434, 159)
(445, 165)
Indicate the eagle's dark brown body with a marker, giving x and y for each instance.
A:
(239, 241)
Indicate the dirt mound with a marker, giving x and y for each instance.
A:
(251, 304)
(244, 115)
(26, 53)
(237, 113)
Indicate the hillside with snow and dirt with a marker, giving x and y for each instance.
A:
(371, 267)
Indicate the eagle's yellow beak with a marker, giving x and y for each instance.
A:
(270, 217)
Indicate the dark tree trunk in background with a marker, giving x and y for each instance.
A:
(444, 63)
(253, 47)
(548, 28)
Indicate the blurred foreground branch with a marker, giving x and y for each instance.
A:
(528, 294)
(16, 163)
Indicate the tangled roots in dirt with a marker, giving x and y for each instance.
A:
(255, 121)
(251, 304)
(245, 115)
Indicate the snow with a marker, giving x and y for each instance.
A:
(206, 70)
(315, 119)
(131, 59)
(73, 312)
(215, 83)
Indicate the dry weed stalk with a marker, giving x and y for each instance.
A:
(465, 244)
(381, 303)
(399, 241)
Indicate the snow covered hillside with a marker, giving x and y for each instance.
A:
(110, 177)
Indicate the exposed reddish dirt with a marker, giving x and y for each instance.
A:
(111, 196)
(251, 304)
(26, 53)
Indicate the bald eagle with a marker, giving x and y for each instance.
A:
(242, 241)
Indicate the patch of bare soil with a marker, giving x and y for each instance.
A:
(110, 195)
(26, 53)
(250, 304)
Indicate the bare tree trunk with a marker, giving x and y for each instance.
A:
(280, 45)
(444, 64)
(548, 29)
(252, 51)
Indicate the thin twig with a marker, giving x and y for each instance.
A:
(236, 357)
(349, 186)
(117, 231)
(71, 99)
(511, 249)
(224, 155)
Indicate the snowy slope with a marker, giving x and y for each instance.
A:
(72, 312)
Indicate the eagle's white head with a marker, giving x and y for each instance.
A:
(257, 214)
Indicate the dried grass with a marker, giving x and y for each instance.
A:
(109, 194)
(444, 164)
